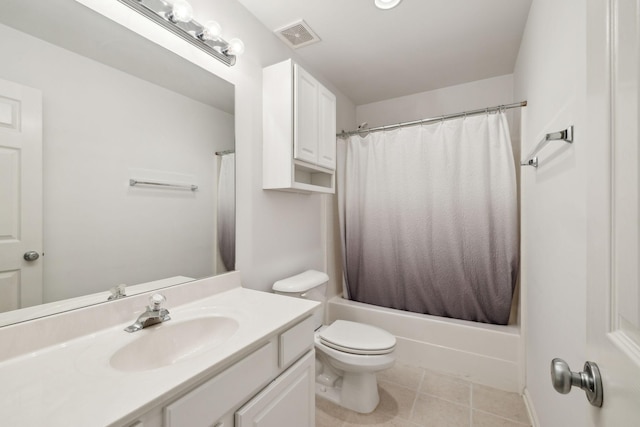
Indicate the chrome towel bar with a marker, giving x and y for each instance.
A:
(563, 135)
(133, 182)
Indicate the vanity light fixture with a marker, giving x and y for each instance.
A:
(211, 30)
(235, 47)
(177, 17)
(386, 4)
(181, 11)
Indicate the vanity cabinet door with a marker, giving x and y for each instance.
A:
(288, 401)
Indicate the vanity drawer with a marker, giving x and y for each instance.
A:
(296, 341)
(213, 399)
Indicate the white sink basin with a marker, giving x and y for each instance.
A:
(172, 342)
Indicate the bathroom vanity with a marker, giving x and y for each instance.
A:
(229, 356)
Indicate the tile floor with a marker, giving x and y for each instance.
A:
(416, 397)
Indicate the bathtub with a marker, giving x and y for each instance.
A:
(481, 353)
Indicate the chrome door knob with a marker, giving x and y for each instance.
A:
(31, 255)
(588, 380)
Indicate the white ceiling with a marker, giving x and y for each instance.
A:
(371, 55)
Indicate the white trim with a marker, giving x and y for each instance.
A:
(533, 417)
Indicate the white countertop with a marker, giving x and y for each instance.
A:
(72, 384)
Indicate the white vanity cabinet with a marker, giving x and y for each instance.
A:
(299, 123)
(272, 386)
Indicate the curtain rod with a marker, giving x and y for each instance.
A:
(344, 134)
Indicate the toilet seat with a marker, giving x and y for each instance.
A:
(357, 338)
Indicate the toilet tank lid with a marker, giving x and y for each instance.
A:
(301, 282)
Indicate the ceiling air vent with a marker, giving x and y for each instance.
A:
(297, 34)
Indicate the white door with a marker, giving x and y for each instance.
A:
(20, 195)
(613, 202)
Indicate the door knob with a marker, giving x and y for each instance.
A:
(589, 380)
(31, 255)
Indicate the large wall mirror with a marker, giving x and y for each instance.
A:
(115, 107)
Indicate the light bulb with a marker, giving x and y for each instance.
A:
(234, 47)
(211, 30)
(181, 11)
(386, 4)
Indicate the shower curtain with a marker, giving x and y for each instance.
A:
(227, 211)
(428, 217)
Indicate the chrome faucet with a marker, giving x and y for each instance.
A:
(117, 292)
(155, 313)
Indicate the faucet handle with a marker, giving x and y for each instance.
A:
(156, 301)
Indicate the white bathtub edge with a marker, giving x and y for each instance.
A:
(474, 367)
(483, 354)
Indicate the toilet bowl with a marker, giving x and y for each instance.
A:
(348, 354)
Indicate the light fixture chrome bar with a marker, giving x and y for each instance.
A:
(134, 182)
(225, 152)
(159, 10)
(487, 110)
(563, 135)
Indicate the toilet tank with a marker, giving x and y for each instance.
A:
(311, 284)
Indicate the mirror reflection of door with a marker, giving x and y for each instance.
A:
(20, 195)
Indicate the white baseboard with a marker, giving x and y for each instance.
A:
(530, 408)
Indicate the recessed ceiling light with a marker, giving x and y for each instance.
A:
(386, 4)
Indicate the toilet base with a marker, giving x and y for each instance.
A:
(355, 391)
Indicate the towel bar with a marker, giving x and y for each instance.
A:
(133, 182)
(563, 135)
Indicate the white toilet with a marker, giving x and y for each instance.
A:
(348, 354)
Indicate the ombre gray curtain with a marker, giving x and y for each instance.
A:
(428, 216)
(226, 206)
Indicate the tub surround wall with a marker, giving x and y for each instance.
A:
(481, 353)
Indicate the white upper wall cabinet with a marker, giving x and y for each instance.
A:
(299, 115)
